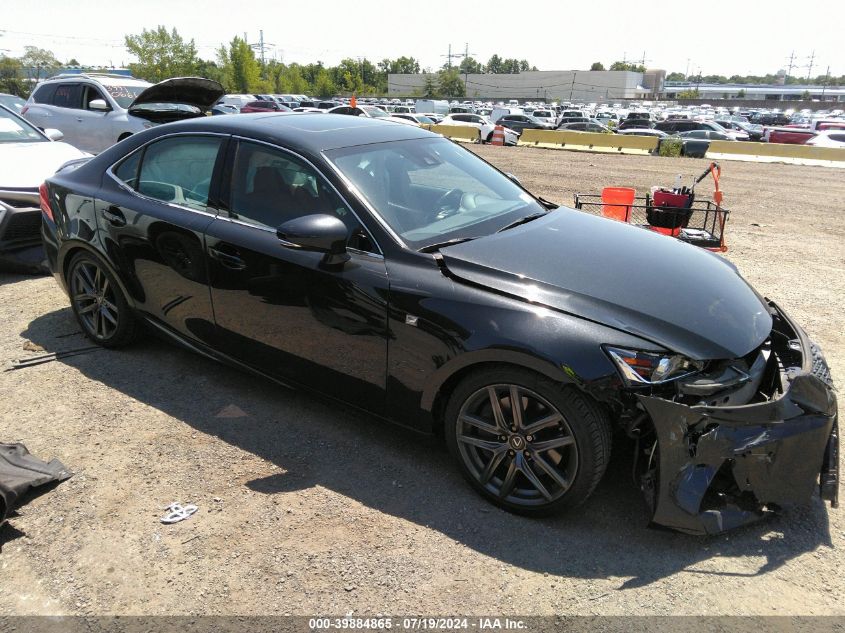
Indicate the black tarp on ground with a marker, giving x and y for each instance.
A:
(20, 472)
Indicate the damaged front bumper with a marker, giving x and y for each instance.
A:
(713, 468)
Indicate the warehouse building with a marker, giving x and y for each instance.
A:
(543, 85)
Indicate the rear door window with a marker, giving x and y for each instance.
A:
(44, 93)
(68, 96)
(178, 170)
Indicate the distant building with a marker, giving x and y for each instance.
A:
(767, 92)
(542, 85)
(605, 85)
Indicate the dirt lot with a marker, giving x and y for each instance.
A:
(308, 509)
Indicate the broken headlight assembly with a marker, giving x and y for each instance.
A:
(640, 368)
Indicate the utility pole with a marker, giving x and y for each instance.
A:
(261, 46)
(466, 67)
(810, 66)
(791, 64)
(826, 81)
(572, 86)
(449, 57)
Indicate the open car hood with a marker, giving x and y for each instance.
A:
(676, 295)
(192, 91)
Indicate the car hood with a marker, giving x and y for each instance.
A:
(679, 296)
(27, 165)
(193, 91)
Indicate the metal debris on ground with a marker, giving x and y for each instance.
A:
(32, 361)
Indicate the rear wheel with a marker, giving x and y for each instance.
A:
(525, 442)
(98, 302)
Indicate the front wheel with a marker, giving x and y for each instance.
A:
(525, 442)
(98, 303)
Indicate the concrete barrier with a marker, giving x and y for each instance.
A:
(589, 141)
(466, 133)
(777, 153)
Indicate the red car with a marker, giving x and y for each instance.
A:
(264, 106)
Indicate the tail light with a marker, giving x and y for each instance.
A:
(45, 201)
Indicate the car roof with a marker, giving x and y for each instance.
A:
(314, 132)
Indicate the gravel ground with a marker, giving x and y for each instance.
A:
(306, 508)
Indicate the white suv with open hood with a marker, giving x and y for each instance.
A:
(94, 111)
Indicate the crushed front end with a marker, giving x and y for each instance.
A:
(735, 440)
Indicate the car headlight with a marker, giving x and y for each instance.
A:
(651, 368)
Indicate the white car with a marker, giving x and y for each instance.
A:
(483, 124)
(828, 138)
(546, 116)
(413, 119)
(96, 110)
(28, 156)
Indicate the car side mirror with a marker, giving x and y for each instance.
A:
(53, 134)
(321, 233)
(99, 104)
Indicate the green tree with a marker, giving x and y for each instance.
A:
(471, 66)
(430, 87)
(38, 62)
(688, 94)
(597, 66)
(72, 62)
(741, 94)
(805, 96)
(12, 80)
(210, 70)
(242, 70)
(161, 54)
(636, 68)
(494, 65)
(676, 77)
(450, 83)
(323, 84)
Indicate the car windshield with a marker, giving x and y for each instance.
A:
(12, 102)
(431, 190)
(14, 129)
(124, 95)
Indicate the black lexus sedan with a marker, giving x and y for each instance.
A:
(393, 270)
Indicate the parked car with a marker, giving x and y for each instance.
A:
(521, 122)
(27, 157)
(13, 102)
(264, 106)
(587, 126)
(437, 292)
(546, 116)
(437, 118)
(566, 120)
(224, 108)
(95, 111)
(742, 131)
(828, 138)
(367, 112)
(416, 119)
(643, 131)
(484, 125)
(710, 135)
(627, 124)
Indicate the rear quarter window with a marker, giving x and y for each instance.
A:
(68, 96)
(44, 93)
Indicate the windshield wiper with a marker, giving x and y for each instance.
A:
(527, 218)
(438, 245)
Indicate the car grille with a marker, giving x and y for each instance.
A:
(820, 368)
(23, 226)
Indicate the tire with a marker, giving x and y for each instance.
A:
(98, 303)
(573, 431)
(489, 138)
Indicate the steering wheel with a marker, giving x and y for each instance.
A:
(449, 203)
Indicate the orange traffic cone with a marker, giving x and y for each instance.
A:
(498, 136)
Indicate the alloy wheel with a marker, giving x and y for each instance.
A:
(517, 445)
(94, 300)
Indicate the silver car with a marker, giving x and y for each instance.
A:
(95, 111)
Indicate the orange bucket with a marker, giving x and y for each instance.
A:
(616, 202)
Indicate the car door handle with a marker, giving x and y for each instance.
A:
(79, 118)
(229, 261)
(114, 216)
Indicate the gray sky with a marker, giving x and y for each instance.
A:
(717, 37)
